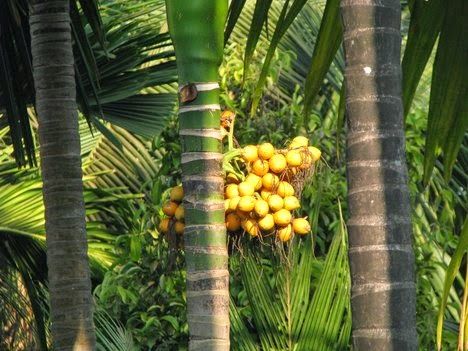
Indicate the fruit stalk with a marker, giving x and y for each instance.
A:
(196, 28)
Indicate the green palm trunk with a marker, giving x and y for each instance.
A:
(68, 270)
(196, 28)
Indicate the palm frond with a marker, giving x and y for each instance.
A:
(451, 274)
(448, 110)
(329, 40)
(298, 303)
(16, 86)
(110, 79)
(111, 335)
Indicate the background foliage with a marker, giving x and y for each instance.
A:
(134, 157)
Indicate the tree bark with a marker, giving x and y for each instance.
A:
(68, 270)
(196, 28)
(383, 296)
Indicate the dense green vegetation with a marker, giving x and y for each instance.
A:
(138, 275)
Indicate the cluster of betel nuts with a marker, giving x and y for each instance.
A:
(262, 200)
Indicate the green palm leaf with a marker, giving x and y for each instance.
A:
(451, 274)
(424, 28)
(297, 303)
(448, 110)
(328, 41)
(110, 80)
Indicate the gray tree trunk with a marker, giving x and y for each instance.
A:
(383, 297)
(69, 275)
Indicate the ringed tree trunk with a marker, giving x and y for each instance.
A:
(196, 28)
(68, 270)
(383, 296)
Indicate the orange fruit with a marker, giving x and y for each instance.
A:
(169, 208)
(285, 233)
(179, 227)
(177, 193)
(233, 222)
(250, 153)
(277, 163)
(164, 225)
(260, 167)
(246, 189)
(266, 223)
(291, 203)
(246, 203)
(180, 213)
(285, 189)
(301, 226)
(261, 208)
(266, 151)
(282, 217)
(270, 181)
(232, 190)
(275, 202)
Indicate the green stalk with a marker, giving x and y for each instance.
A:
(196, 28)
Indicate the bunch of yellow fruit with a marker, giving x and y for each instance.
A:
(174, 211)
(265, 201)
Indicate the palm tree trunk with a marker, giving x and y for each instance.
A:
(59, 140)
(383, 295)
(196, 28)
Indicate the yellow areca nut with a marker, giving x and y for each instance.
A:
(266, 151)
(255, 180)
(180, 213)
(233, 222)
(275, 202)
(266, 223)
(250, 153)
(270, 181)
(260, 167)
(294, 158)
(179, 227)
(285, 189)
(246, 189)
(282, 217)
(233, 203)
(265, 194)
(169, 208)
(301, 226)
(277, 163)
(285, 234)
(177, 193)
(299, 141)
(246, 203)
(315, 153)
(261, 208)
(250, 226)
(232, 190)
(164, 225)
(291, 203)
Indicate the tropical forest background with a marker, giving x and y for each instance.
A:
(127, 92)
